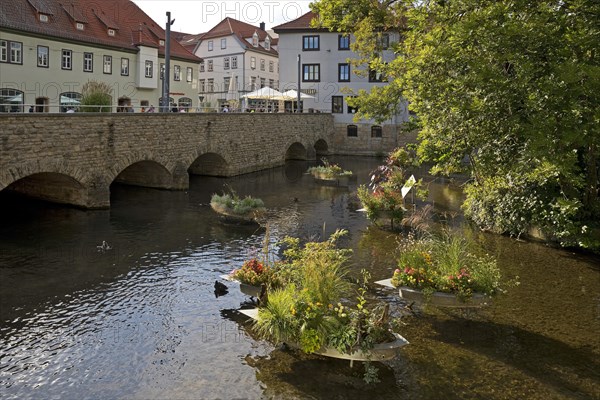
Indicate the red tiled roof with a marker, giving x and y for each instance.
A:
(187, 40)
(301, 23)
(242, 30)
(132, 26)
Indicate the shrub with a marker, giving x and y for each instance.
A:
(96, 97)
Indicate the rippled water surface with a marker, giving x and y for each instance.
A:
(140, 320)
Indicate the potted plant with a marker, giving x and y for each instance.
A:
(330, 173)
(445, 271)
(236, 209)
(309, 311)
(252, 276)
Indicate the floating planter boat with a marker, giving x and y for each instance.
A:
(331, 174)
(379, 352)
(234, 209)
(439, 299)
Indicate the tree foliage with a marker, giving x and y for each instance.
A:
(508, 91)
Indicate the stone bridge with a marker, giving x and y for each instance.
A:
(74, 158)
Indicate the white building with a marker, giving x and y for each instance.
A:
(50, 48)
(237, 58)
(327, 75)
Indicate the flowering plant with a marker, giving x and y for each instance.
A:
(253, 273)
(446, 263)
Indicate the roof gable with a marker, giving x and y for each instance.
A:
(243, 31)
(301, 23)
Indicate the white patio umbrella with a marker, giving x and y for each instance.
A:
(293, 95)
(265, 93)
(231, 91)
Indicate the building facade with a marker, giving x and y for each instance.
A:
(327, 76)
(237, 58)
(50, 49)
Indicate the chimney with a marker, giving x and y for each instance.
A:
(262, 26)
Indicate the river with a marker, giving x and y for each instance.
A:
(140, 320)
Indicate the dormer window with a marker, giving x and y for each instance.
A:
(111, 32)
(161, 42)
(79, 26)
(43, 18)
(255, 39)
(268, 43)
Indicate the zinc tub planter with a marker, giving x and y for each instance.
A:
(248, 290)
(229, 216)
(439, 299)
(379, 352)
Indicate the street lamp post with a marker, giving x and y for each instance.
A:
(299, 77)
(164, 107)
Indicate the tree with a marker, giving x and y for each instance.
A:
(505, 91)
(96, 97)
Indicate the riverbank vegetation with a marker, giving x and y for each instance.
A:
(506, 92)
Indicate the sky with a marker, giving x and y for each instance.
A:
(197, 16)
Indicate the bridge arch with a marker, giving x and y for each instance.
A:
(52, 187)
(296, 151)
(211, 164)
(148, 173)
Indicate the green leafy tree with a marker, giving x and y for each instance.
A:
(505, 91)
(96, 97)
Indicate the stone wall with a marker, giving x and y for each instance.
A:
(93, 150)
(366, 145)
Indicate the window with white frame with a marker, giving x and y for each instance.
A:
(16, 53)
(202, 66)
(252, 62)
(107, 65)
(253, 83)
(202, 85)
(226, 82)
(176, 73)
(224, 43)
(66, 59)
(271, 66)
(255, 39)
(189, 74)
(233, 62)
(42, 56)
(148, 69)
(88, 62)
(125, 66)
(262, 82)
(226, 63)
(262, 64)
(3, 50)
(211, 86)
(210, 65)
(210, 45)
(268, 43)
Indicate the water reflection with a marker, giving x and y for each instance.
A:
(141, 320)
